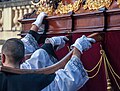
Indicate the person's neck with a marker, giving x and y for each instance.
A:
(12, 65)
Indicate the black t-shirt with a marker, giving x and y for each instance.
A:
(24, 82)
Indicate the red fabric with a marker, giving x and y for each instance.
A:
(91, 57)
(112, 48)
(61, 52)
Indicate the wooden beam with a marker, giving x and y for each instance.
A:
(50, 69)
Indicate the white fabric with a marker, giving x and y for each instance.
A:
(39, 59)
(58, 41)
(83, 43)
(30, 44)
(71, 78)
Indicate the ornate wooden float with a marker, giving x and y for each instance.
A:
(74, 18)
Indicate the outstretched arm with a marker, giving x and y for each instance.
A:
(73, 76)
(51, 69)
(32, 38)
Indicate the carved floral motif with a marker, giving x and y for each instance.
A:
(96, 4)
(57, 7)
(64, 9)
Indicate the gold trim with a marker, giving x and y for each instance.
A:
(107, 67)
(61, 9)
(64, 9)
(97, 4)
(118, 2)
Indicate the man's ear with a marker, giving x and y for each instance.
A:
(3, 58)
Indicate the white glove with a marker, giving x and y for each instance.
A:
(39, 19)
(83, 43)
(58, 41)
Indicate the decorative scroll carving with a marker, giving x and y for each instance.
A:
(64, 9)
(59, 7)
(47, 6)
(97, 4)
(52, 7)
(118, 2)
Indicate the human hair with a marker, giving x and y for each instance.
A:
(14, 49)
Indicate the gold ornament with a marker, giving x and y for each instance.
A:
(43, 6)
(109, 88)
(118, 2)
(64, 9)
(97, 4)
(46, 9)
(107, 67)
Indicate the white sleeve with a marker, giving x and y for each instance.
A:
(30, 44)
(39, 59)
(71, 78)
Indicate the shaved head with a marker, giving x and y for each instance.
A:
(14, 49)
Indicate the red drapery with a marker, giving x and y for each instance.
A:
(91, 57)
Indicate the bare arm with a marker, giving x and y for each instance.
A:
(76, 52)
(34, 28)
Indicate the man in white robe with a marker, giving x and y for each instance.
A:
(73, 76)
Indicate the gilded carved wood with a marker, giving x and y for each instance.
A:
(60, 7)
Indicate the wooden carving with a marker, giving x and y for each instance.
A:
(60, 7)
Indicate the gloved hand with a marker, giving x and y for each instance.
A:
(83, 43)
(39, 19)
(58, 41)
